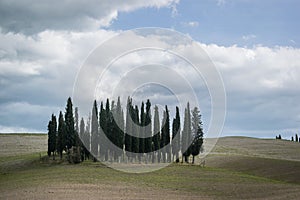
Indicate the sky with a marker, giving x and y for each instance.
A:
(254, 45)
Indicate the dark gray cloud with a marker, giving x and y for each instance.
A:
(33, 16)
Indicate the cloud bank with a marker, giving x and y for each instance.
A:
(43, 45)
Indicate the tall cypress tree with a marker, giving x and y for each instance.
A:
(133, 117)
(85, 137)
(167, 133)
(165, 136)
(107, 128)
(52, 136)
(102, 124)
(128, 138)
(156, 134)
(76, 126)
(69, 121)
(142, 129)
(115, 131)
(197, 132)
(186, 134)
(94, 131)
(175, 135)
(148, 129)
(118, 128)
(61, 143)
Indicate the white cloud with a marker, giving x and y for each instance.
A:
(261, 82)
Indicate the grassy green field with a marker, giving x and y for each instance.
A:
(237, 168)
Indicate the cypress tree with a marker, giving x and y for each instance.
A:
(94, 131)
(167, 132)
(119, 128)
(296, 137)
(128, 138)
(69, 121)
(197, 132)
(165, 136)
(61, 143)
(52, 136)
(148, 129)
(102, 124)
(142, 129)
(107, 128)
(85, 140)
(138, 132)
(156, 134)
(76, 126)
(186, 134)
(88, 131)
(175, 135)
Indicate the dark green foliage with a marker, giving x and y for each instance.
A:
(136, 142)
(176, 135)
(61, 135)
(94, 131)
(165, 136)
(69, 121)
(85, 137)
(186, 135)
(128, 138)
(118, 129)
(142, 129)
(52, 136)
(156, 134)
(296, 137)
(279, 137)
(148, 128)
(76, 126)
(106, 136)
(107, 128)
(197, 132)
(102, 125)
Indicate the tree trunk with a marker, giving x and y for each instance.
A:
(186, 159)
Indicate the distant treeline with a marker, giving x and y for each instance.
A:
(296, 139)
(106, 135)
